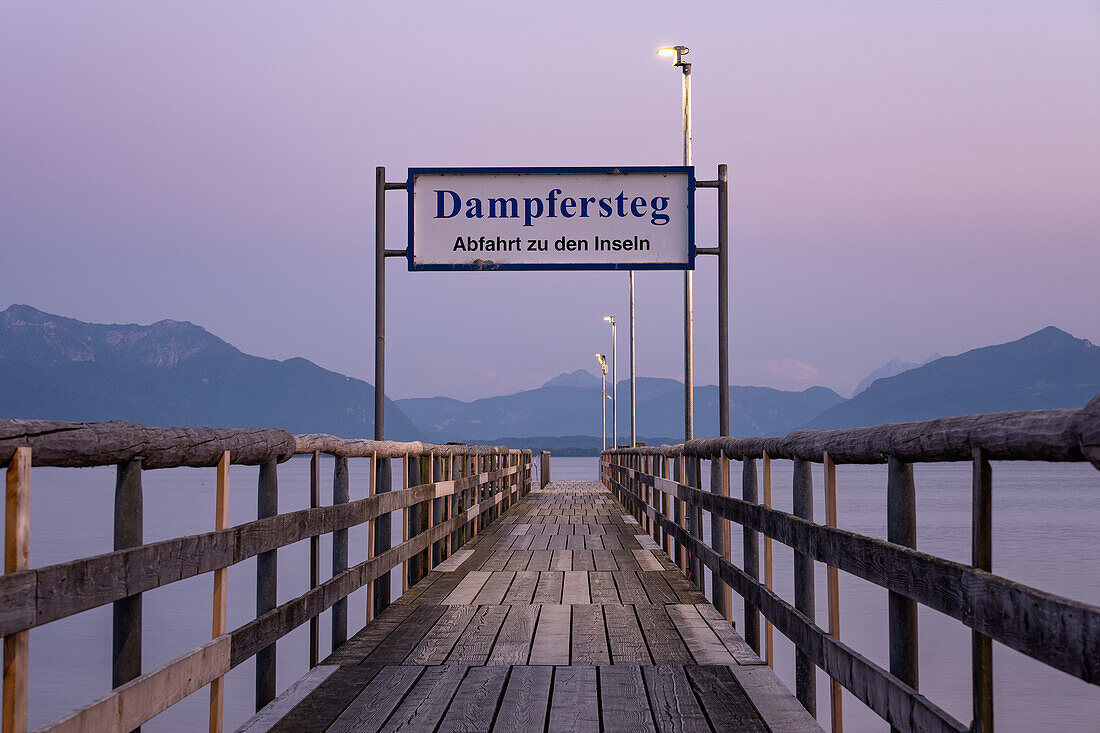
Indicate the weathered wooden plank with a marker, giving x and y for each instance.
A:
(476, 641)
(589, 641)
(646, 560)
(370, 709)
(631, 587)
(525, 702)
(326, 703)
(495, 588)
(425, 703)
(513, 643)
(408, 634)
(575, 588)
(551, 641)
(675, 708)
(723, 700)
(773, 702)
(441, 638)
(665, 644)
(468, 589)
(624, 705)
(574, 702)
(625, 638)
(454, 562)
(602, 587)
(701, 641)
(736, 646)
(522, 589)
(287, 700)
(549, 587)
(475, 704)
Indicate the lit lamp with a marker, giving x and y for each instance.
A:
(603, 395)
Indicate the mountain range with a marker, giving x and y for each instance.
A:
(177, 373)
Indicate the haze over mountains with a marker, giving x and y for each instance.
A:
(177, 373)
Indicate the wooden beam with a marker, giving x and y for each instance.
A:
(17, 550)
(832, 581)
(982, 559)
(145, 697)
(221, 591)
(769, 636)
(314, 556)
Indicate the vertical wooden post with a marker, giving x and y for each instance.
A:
(901, 529)
(833, 590)
(126, 621)
(696, 523)
(666, 508)
(678, 512)
(544, 469)
(719, 533)
(751, 549)
(982, 558)
(382, 535)
(267, 577)
(371, 491)
(17, 552)
(314, 556)
(405, 522)
(805, 680)
(341, 494)
(435, 510)
(769, 630)
(221, 589)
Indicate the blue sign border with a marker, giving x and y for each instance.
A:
(689, 169)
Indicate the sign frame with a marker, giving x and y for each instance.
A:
(558, 170)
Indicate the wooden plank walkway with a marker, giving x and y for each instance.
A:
(559, 617)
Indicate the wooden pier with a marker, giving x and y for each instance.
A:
(563, 617)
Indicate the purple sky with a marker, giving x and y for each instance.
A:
(906, 178)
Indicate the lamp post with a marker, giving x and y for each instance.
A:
(603, 395)
(614, 382)
(678, 52)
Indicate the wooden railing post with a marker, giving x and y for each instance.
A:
(17, 550)
(382, 536)
(769, 630)
(126, 636)
(544, 469)
(372, 490)
(982, 558)
(805, 681)
(751, 550)
(667, 508)
(405, 477)
(901, 529)
(341, 494)
(221, 590)
(314, 556)
(678, 513)
(267, 595)
(720, 533)
(836, 711)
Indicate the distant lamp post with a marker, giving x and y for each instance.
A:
(603, 396)
(678, 53)
(614, 382)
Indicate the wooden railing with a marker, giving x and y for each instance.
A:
(662, 485)
(448, 493)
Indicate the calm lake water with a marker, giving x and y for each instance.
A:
(1045, 520)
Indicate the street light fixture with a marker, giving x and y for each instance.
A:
(603, 395)
(678, 53)
(614, 382)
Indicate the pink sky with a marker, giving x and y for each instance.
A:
(906, 178)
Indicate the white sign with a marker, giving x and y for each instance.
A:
(632, 218)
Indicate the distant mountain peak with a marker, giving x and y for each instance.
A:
(578, 379)
(34, 336)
